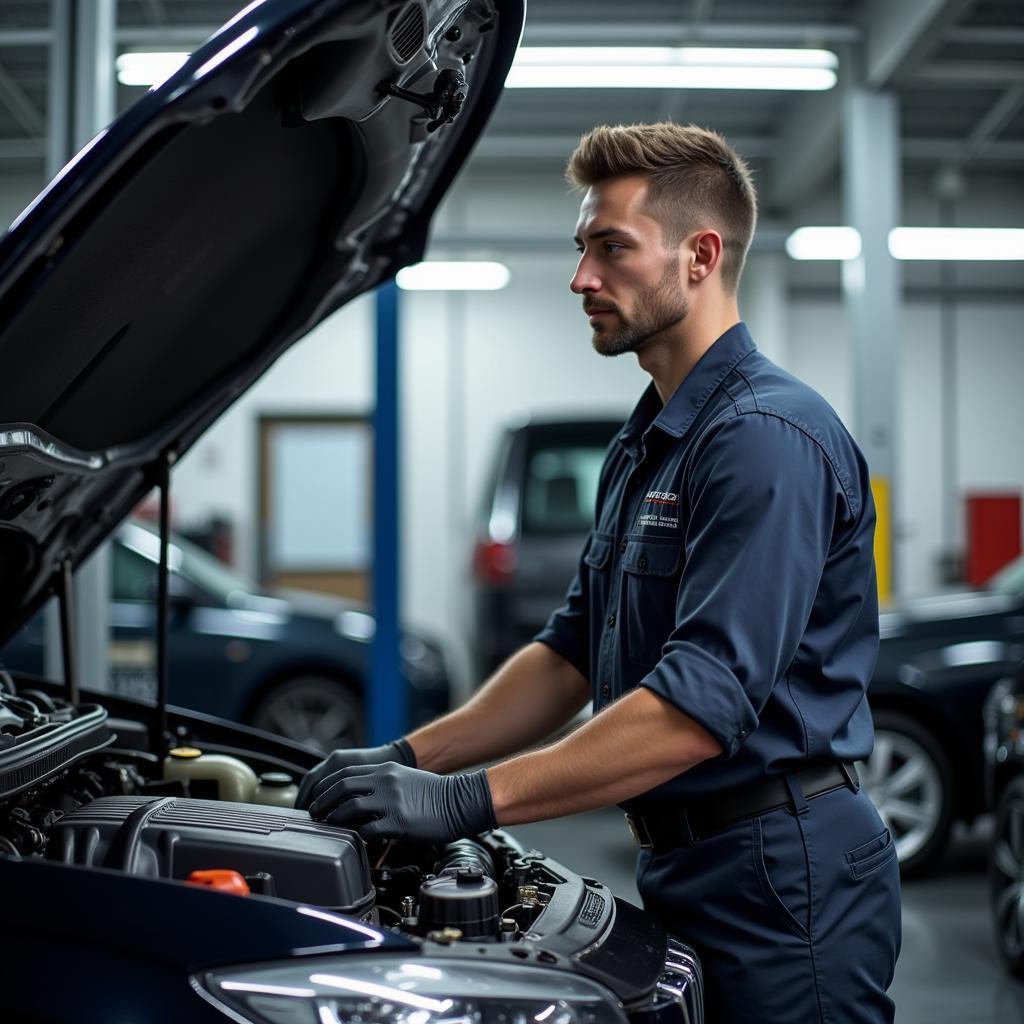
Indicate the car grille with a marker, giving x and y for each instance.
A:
(682, 984)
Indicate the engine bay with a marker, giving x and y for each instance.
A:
(72, 791)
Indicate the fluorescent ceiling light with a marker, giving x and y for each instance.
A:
(824, 243)
(148, 69)
(957, 243)
(440, 275)
(665, 67)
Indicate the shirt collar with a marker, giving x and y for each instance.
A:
(689, 398)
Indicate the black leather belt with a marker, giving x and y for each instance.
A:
(704, 816)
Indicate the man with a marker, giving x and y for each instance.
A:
(723, 619)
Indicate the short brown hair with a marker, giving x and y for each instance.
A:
(694, 175)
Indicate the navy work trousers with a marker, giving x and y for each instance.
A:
(795, 914)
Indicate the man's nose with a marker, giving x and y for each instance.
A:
(584, 280)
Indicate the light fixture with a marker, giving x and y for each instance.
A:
(666, 67)
(441, 275)
(957, 243)
(824, 243)
(147, 69)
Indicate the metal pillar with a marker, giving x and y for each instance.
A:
(388, 702)
(81, 103)
(871, 291)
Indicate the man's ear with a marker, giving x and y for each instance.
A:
(705, 254)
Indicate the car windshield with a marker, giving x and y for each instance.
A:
(189, 561)
(1009, 579)
(561, 488)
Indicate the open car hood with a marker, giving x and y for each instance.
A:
(268, 182)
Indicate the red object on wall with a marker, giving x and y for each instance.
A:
(993, 534)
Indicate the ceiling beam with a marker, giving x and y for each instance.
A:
(807, 152)
(22, 149)
(494, 146)
(966, 74)
(985, 35)
(154, 11)
(24, 110)
(675, 33)
(899, 36)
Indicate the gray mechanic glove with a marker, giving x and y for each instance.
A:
(399, 751)
(393, 801)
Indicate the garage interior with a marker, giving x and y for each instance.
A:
(917, 348)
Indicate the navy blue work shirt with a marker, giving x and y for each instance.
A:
(731, 571)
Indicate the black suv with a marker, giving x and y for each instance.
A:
(537, 511)
(150, 865)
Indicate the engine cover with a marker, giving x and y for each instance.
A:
(170, 838)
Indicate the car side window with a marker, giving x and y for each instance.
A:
(133, 576)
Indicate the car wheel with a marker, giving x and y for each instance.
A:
(1006, 871)
(910, 780)
(314, 710)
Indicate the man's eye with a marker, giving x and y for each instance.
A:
(612, 246)
(579, 248)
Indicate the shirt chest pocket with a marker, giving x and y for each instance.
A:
(598, 559)
(651, 569)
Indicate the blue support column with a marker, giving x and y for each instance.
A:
(388, 696)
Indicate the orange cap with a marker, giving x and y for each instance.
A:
(221, 880)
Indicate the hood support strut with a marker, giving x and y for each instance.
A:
(67, 632)
(160, 740)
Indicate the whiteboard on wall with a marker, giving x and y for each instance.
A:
(320, 497)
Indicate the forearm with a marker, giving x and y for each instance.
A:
(630, 747)
(534, 693)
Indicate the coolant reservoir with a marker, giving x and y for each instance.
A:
(276, 789)
(235, 779)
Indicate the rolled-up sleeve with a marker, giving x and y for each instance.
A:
(567, 631)
(764, 502)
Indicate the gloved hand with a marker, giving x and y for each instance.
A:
(393, 801)
(399, 751)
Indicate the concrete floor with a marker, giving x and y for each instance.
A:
(948, 971)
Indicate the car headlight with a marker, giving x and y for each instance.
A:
(406, 990)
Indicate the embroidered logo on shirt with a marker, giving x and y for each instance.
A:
(660, 508)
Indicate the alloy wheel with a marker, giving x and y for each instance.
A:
(905, 785)
(1008, 874)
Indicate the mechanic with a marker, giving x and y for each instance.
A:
(723, 619)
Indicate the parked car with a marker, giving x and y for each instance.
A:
(294, 663)
(294, 162)
(938, 657)
(1004, 764)
(938, 661)
(537, 510)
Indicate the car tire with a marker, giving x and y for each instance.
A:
(318, 711)
(1006, 875)
(909, 778)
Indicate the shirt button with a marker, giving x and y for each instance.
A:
(743, 733)
(605, 691)
(611, 619)
(642, 563)
(622, 548)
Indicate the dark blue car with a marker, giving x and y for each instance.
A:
(151, 864)
(293, 663)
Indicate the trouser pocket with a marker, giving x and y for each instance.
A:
(780, 863)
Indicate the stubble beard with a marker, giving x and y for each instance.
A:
(657, 308)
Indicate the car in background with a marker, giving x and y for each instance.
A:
(293, 663)
(1004, 764)
(534, 519)
(938, 657)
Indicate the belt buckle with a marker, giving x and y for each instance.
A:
(639, 832)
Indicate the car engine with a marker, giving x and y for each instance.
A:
(79, 787)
